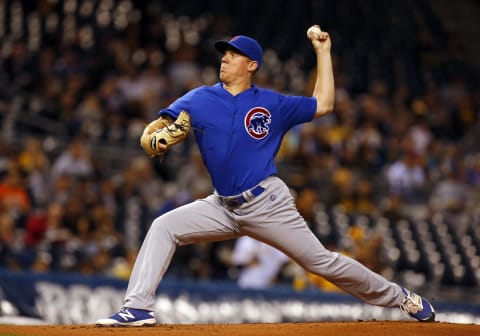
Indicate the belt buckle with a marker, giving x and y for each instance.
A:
(235, 202)
(232, 203)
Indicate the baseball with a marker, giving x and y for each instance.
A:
(314, 30)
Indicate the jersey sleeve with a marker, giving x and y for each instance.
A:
(182, 103)
(297, 109)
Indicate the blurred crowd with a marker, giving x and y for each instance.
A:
(79, 80)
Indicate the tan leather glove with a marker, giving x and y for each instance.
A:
(162, 133)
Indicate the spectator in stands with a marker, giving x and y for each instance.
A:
(421, 135)
(308, 202)
(75, 161)
(363, 198)
(14, 196)
(133, 211)
(35, 164)
(8, 258)
(451, 193)
(194, 174)
(5, 157)
(56, 235)
(259, 264)
(433, 160)
(150, 186)
(103, 229)
(184, 69)
(90, 114)
(473, 171)
(42, 262)
(367, 142)
(392, 208)
(367, 248)
(406, 177)
(61, 189)
(341, 186)
(19, 66)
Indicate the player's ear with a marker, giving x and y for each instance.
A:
(253, 66)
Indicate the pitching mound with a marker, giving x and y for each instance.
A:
(373, 328)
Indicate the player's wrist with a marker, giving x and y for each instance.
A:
(322, 51)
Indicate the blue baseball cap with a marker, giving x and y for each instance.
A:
(244, 45)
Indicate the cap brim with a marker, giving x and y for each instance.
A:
(222, 46)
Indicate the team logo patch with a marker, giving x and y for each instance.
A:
(257, 122)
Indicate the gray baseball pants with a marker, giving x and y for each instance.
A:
(270, 217)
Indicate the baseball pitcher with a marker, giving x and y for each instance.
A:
(238, 128)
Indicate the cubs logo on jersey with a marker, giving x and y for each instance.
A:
(257, 122)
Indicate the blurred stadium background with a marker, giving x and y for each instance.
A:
(392, 178)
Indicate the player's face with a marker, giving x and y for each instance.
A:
(234, 66)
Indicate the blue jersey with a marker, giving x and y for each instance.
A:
(239, 136)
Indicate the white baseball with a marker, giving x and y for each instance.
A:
(315, 30)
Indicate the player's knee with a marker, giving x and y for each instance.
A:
(161, 227)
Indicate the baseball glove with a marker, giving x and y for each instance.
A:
(156, 143)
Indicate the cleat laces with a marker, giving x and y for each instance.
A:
(412, 304)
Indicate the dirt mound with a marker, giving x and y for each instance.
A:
(373, 328)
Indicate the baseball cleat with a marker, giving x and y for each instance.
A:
(129, 317)
(417, 307)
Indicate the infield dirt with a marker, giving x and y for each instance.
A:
(367, 328)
